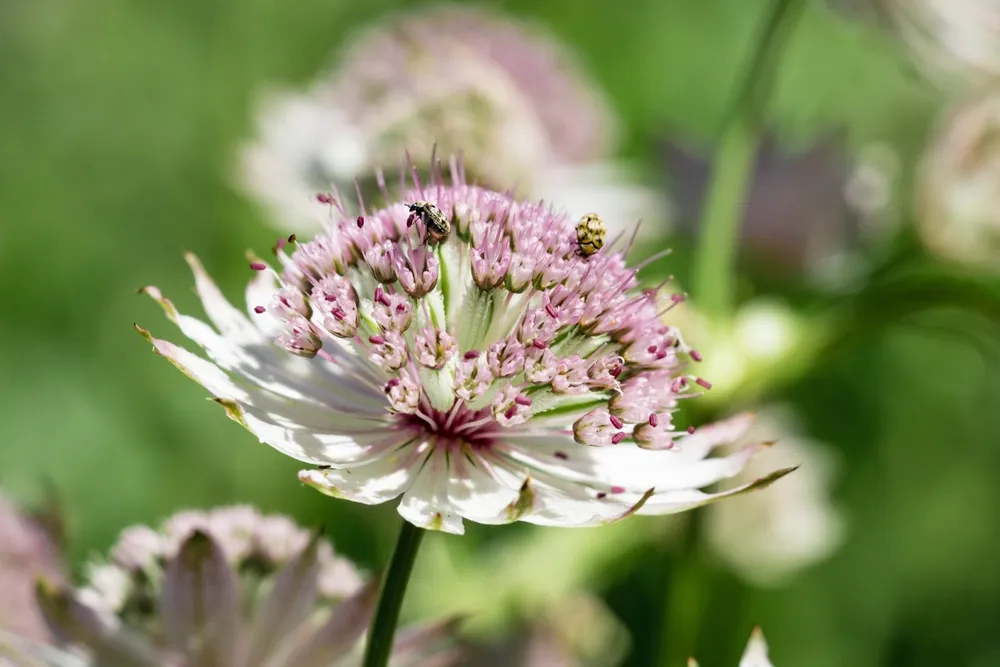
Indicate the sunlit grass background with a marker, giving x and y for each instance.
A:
(119, 120)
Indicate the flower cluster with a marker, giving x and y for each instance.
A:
(498, 374)
(225, 588)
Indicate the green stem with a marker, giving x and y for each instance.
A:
(715, 255)
(391, 596)
(685, 601)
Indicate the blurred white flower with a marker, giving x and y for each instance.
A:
(954, 43)
(769, 537)
(507, 95)
(958, 201)
(755, 654)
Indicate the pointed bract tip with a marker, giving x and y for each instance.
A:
(143, 332)
(166, 304)
(233, 410)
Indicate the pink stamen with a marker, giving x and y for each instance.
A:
(324, 198)
(617, 489)
(258, 266)
(615, 421)
(361, 221)
(376, 340)
(704, 383)
(690, 430)
(510, 412)
(471, 354)
(539, 344)
(653, 419)
(617, 437)
(561, 455)
(522, 400)
(696, 355)
(551, 311)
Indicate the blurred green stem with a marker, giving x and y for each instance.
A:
(714, 285)
(391, 596)
(715, 256)
(685, 600)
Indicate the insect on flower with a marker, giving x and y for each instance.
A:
(437, 225)
(590, 233)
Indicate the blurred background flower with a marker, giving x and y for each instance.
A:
(504, 93)
(959, 194)
(225, 587)
(29, 549)
(769, 538)
(954, 43)
(574, 631)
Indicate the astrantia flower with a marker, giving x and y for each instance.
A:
(755, 654)
(506, 94)
(959, 198)
(768, 537)
(496, 376)
(225, 588)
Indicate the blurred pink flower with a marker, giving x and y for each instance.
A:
(228, 587)
(28, 550)
(504, 93)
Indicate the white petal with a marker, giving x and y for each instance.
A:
(230, 321)
(683, 500)
(379, 480)
(425, 504)
(477, 492)
(304, 432)
(700, 444)
(259, 292)
(756, 651)
(313, 381)
(621, 465)
(201, 371)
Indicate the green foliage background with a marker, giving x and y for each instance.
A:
(118, 124)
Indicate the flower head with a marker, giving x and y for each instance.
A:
(224, 588)
(530, 382)
(505, 94)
